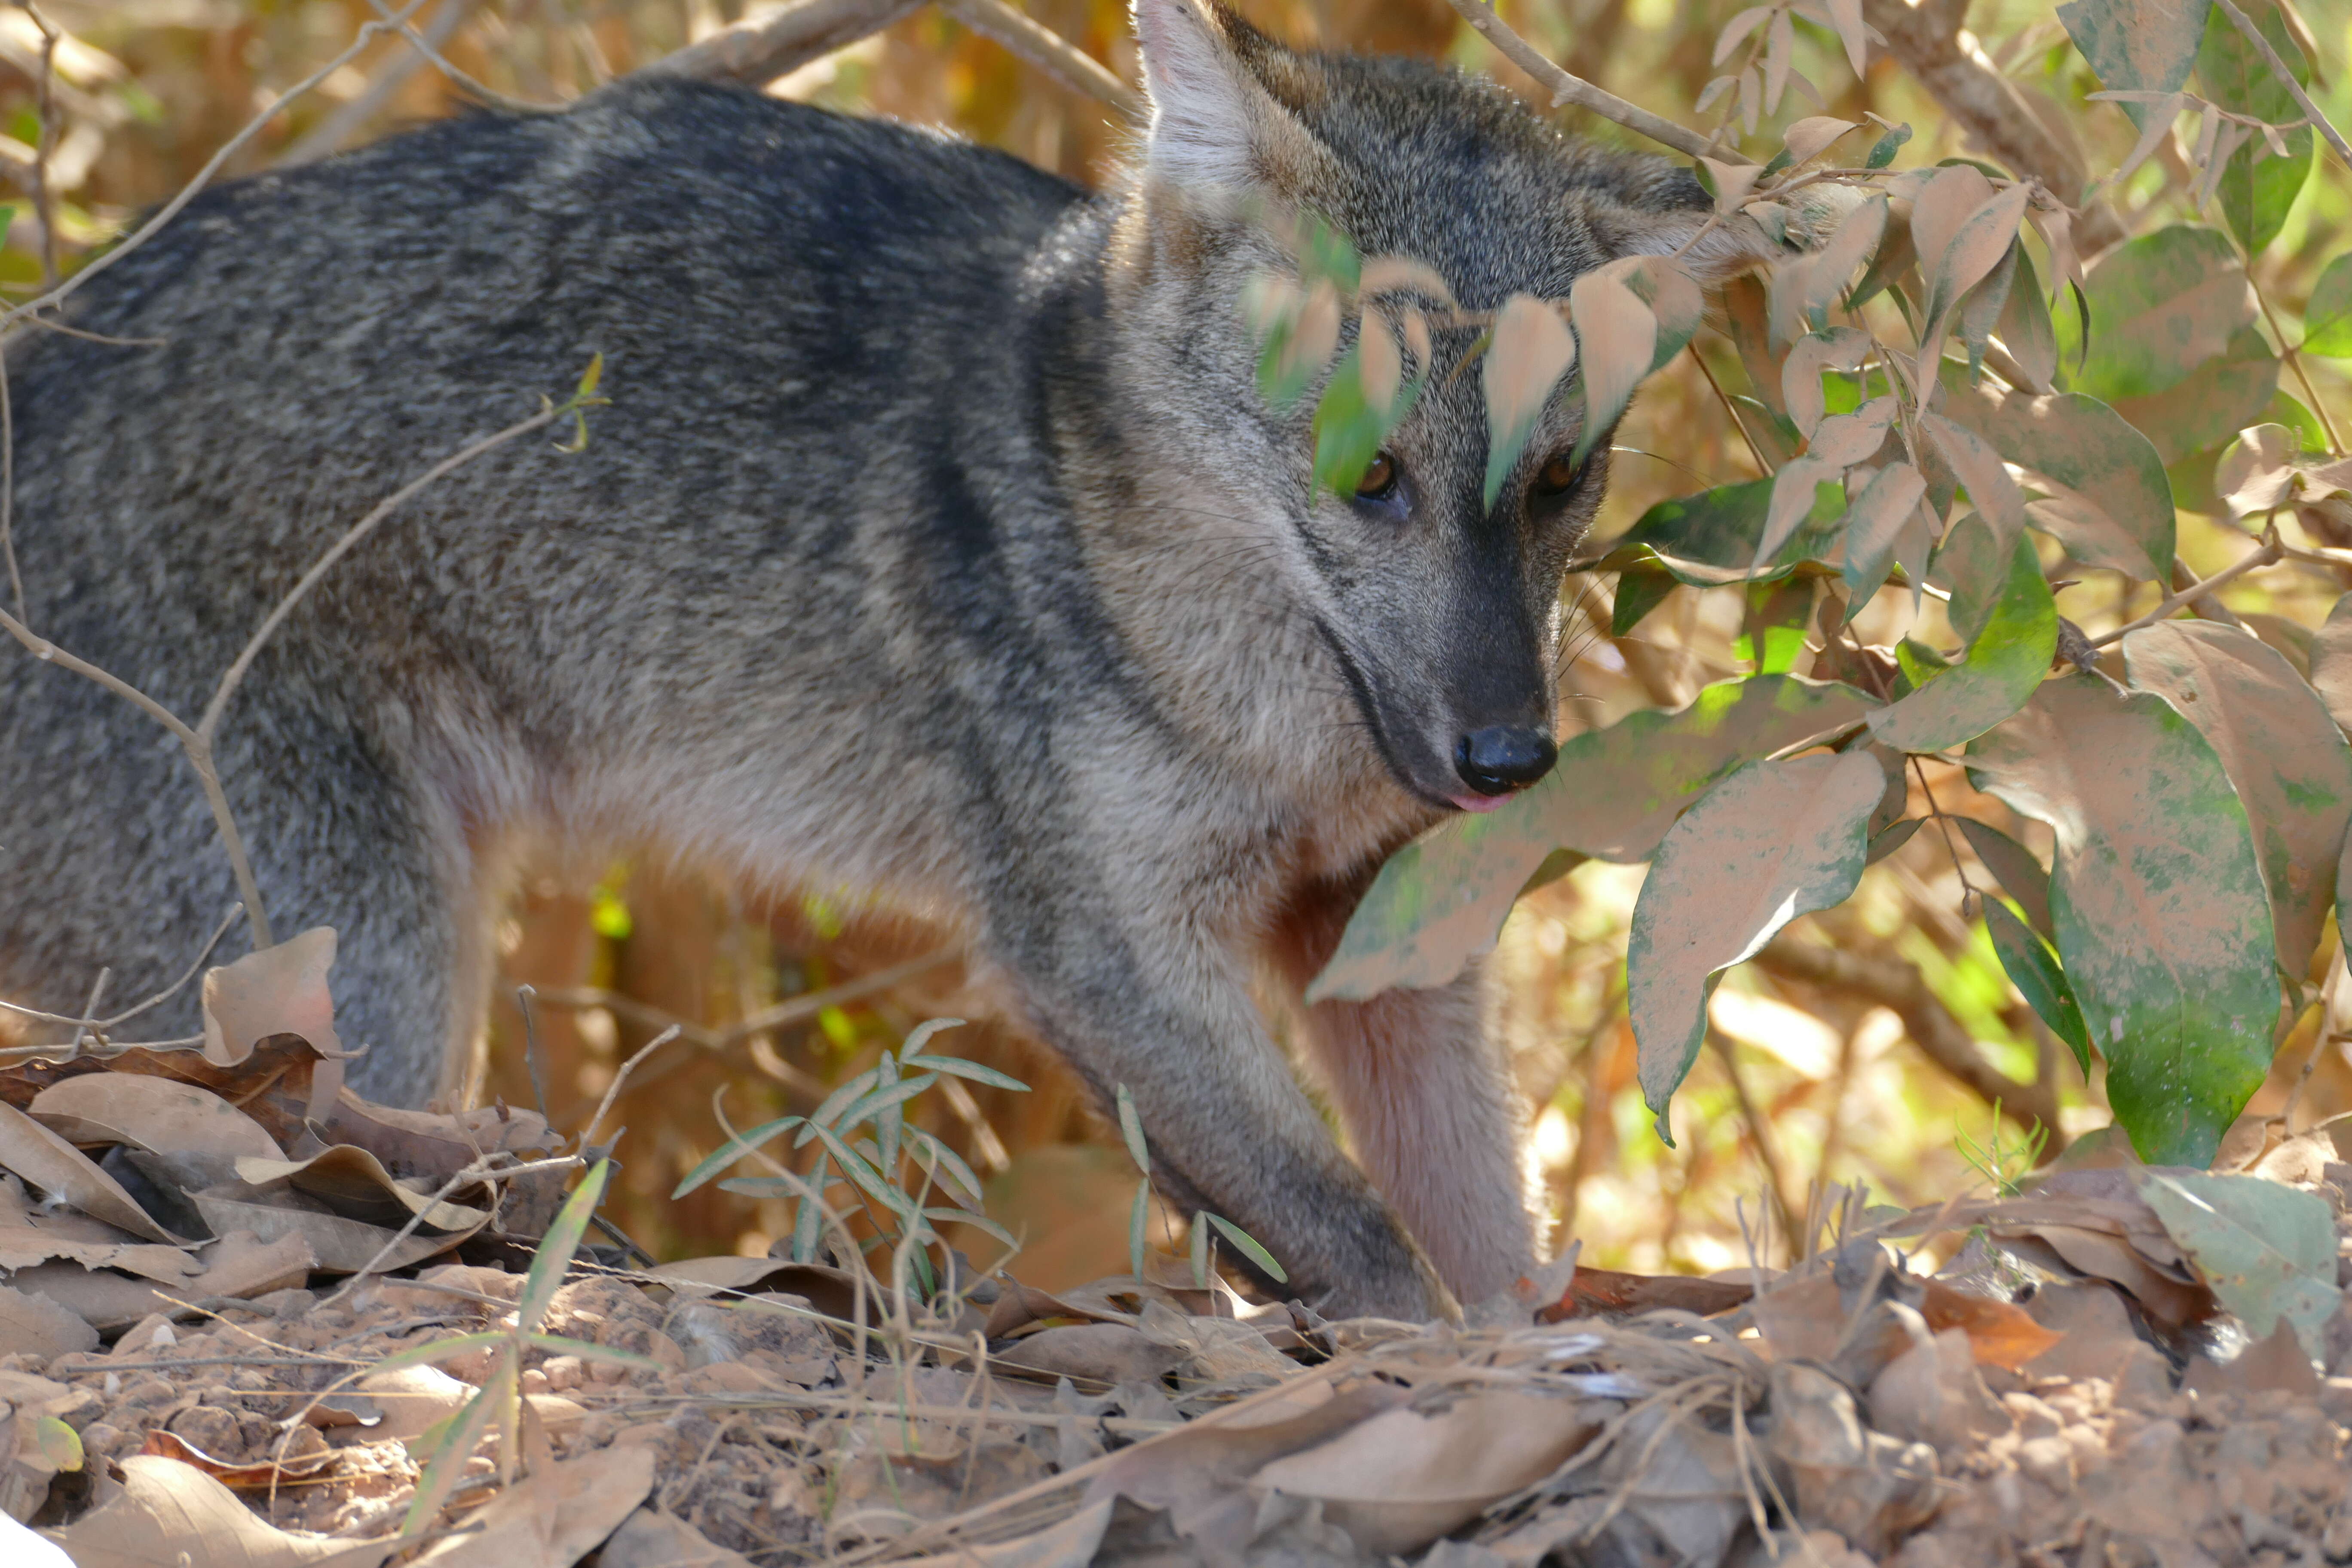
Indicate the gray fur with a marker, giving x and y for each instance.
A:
(936, 548)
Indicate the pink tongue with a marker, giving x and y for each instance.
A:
(1481, 801)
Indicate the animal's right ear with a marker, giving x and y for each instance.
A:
(1214, 123)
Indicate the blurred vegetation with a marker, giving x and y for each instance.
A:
(1806, 1083)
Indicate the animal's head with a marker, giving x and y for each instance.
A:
(1438, 607)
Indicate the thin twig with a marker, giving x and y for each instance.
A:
(1047, 50)
(1566, 89)
(2294, 357)
(2270, 554)
(328, 136)
(756, 53)
(2253, 34)
(210, 723)
(1731, 408)
(45, 197)
(203, 176)
(613, 1089)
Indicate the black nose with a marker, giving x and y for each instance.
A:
(1503, 757)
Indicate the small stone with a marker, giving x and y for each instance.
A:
(562, 1372)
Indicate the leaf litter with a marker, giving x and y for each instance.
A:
(2121, 1363)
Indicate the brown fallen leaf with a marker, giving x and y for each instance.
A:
(38, 1325)
(1198, 1475)
(1103, 1353)
(1605, 1293)
(341, 1246)
(355, 1184)
(155, 1114)
(233, 1473)
(647, 1539)
(1998, 1333)
(2276, 1363)
(552, 1519)
(280, 990)
(1402, 1479)
(239, 1264)
(48, 1161)
(1069, 1544)
(172, 1513)
(1800, 1319)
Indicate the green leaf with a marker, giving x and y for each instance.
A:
(458, 1436)
(979, 1222)
(1883, 151)
(2268, 1250)
(1139, 1221)
(2287, 760)
(1773, 841)
(865, 1176)
(553, 1257)
(2004, 664)
(2165, 303)
(60, 1444)
(2255, 196)
(2013, 865)
(943, 1158)
(2163, 924)
(2134, 46)
(956, 1067)
(1919, 663)
(1199, 1253)
(2026, 326)
(1709, 539)
(1613, 792)
(2079, 445)
(734, 1149)
(883, 1099)
(1638, 592)
(1970, 566)
(2034, 970)
(2327, 319)
(1246, 1245)
(834, 1104)
(1348, 431)
(2216, 400)
(1130, 1127)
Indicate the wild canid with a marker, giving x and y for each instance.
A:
(937, 545)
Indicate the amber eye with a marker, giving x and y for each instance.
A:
(1556, 477)
(1379, 478)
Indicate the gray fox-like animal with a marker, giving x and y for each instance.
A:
(937, 544)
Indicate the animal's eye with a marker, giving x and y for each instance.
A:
(1379, 480)
(1559, 476)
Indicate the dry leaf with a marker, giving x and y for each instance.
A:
(1605, 1293)
(1103, 1353)
(555, 1518)
(1999, 1334)
(650, 1540)
(280, 990)
(37, 1325)
(1733, 181)
(1401, 1480)
(1616, 337)
(1980, 468)
(168, 1512)
(2257, 473)
(236, 1265)
(1808, 139)
(1382, 367)
(1737, 30)
(355, 1184)
(260, 1475)
(1069, 1544)
(1399, 274)
(156, 1114)
(341, 1246)
(56, 1167)
(1840, 348)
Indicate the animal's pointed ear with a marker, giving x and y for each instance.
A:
(1213, 122)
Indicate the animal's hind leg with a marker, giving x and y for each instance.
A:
(1429, 1103)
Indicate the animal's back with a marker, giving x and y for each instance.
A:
(793, 308)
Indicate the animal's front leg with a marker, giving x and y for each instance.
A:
(1427, 1092)
(1158, 1007)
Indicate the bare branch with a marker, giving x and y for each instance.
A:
(1566, 89)
(1049, 52)
(1926, 39)
(754, 54)
(45, 195)
(329, 135)
(2268, 555)
(2245, 25)
(1898, 986)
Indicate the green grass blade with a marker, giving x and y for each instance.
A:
(556, 1248)
(742, 1143)
(956, 1067)
(1246, 1245)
